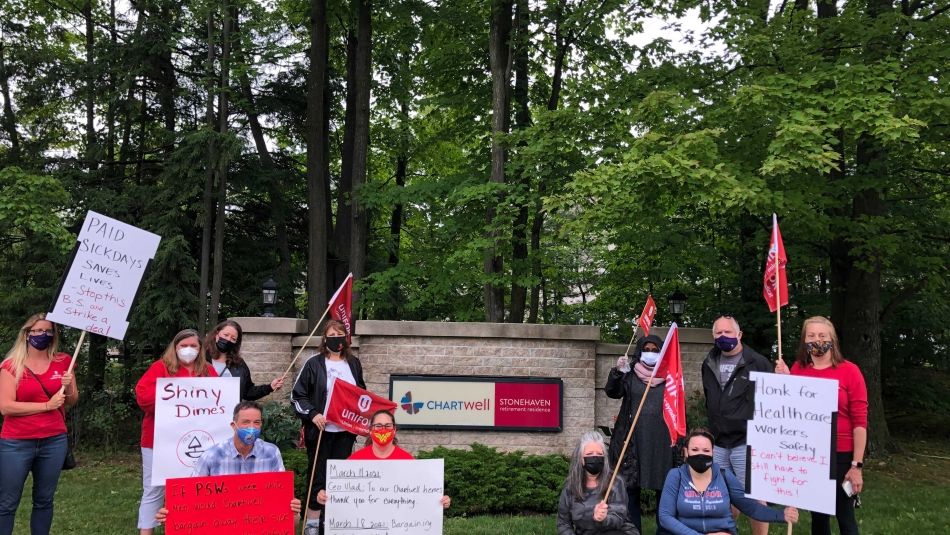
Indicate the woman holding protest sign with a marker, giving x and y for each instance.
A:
(586, 506)
(819, 355)
(180, 359)
(697, 496)
(381, 446)
(648, 457)
(324, 440)
(222, 348)
(33, 437)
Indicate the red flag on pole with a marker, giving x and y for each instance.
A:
(351, 407)
(646, 317)
(341, 305)
(775, 278)
(670, 367)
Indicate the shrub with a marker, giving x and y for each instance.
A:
(281, 425)
(485, 481)
(296, 460)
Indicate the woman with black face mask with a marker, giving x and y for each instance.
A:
(335, 361)
(697, 496)
(222, 350)
(584, 507)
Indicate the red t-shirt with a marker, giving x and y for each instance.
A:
(45, 424)
(145, 395)
(367, 454)
(852, 398)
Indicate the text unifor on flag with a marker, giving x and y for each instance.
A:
(775, 270)
(341, 305)
(670, 367)
(351, 407)
(646, 317)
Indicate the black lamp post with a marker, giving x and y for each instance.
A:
(677, 302)
(269, 297)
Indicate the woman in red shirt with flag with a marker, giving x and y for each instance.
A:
(33, 438)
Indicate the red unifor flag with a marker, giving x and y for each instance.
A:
(646, 317)
(351, 407)
(341, 305)
(775, 277)
(670, 367)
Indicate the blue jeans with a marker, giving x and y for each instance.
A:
(42, 456)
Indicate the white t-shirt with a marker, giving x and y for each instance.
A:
(222, 368)
(337, 369)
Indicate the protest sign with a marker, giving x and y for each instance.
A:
(384, 497)
(99, 287)
(191, 415)
(791, 441)
(224, 505)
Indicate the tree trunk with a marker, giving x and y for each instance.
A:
(500, 33)
(317, 165)
(222, 174)
(343, 230)
(360, 232)
(208, 195)
(520, 269)
(110, 108)
(91, 146)
(9, 116)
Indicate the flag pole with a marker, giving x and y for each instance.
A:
(307, 341)
(313, 470)
(636, 327)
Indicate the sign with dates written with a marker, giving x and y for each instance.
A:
(226, 505)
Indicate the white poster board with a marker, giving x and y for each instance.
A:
(103, 278)
(791, 444)
(385, 497)
(191, 415)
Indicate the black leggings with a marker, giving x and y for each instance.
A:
(844, 505)
(332, 446)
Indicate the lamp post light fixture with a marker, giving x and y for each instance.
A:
(677, 301)
(269, 297)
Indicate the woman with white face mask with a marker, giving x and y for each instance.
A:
(180, 359)
(648, 457)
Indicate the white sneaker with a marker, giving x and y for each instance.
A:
(312, 530)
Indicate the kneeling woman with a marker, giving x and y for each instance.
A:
(697, 496)
(582, 508)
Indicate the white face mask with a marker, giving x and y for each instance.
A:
(187, 354)
(649, 358)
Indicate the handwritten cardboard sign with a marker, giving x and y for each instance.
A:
(384, 497)
(191, 415)
(791, 441)
(227, 505)
(100, 285)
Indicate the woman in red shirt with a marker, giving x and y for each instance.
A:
(819, 355)
(33, 438)
(180, 359)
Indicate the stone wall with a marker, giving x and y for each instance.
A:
(573, 353)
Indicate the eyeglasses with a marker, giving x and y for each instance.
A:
(381, 427)
(37, 332)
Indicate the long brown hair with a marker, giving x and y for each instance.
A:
(18, 353)
(170, 356)
(338, 325)
(802, 356)
(211, 350)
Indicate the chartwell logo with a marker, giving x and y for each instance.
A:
(407, 404)
(364, 403)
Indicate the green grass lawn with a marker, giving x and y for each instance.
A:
(906, 493)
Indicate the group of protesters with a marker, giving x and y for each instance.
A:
(705, 494)
(699, 496)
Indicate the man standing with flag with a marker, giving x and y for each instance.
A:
(730, 398)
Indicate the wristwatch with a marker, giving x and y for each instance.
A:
(857, 464)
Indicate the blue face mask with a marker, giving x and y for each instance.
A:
(248, 435)
(726, 343)
(40, 341)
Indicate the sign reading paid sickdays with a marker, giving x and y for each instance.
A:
(385, 497)
(100, 285)
(191, 415)
(791, 442)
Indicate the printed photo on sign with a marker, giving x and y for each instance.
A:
(191, 415)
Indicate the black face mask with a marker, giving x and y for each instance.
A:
(700, 462)
(594, 464)
(224, 346)
(335, 343)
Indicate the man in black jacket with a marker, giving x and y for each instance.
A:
(730, 397)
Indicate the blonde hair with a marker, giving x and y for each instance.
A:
(802, 356)
(18, 353)
(170, 356)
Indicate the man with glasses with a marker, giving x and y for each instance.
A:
(730, 398)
